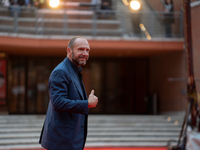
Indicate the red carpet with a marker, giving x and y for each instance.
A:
(125, 148)
(113, 148)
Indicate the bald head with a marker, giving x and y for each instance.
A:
(78, 50)
(72, 42)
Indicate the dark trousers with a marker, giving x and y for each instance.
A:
(168, 30)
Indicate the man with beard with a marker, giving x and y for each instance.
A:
(65, 126)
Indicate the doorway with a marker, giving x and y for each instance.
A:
(28, 84)
(120, 84)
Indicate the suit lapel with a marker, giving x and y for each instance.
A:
(76, 83)
(84, 90)
(74, 77)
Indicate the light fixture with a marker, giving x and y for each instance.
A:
(135, 5)
(148, 36)
(54, 3)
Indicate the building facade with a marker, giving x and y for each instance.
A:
(129, 76)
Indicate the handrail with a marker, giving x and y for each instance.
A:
(86, 22)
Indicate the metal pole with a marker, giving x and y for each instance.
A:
(94, 31)
(181, 24)
(36, 22)
(65, 23)
(191, 88)
(188, 41)
(16, 13)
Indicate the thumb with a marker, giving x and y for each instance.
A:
(92, 92)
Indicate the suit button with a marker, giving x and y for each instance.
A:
(81, 126)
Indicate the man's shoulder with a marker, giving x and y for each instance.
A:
(62, 65)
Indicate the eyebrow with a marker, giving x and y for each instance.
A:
(82, 47)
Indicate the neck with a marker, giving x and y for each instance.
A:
(74, 62)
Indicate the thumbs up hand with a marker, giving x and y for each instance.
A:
(92, 100)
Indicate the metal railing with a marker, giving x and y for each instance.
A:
(89, 22)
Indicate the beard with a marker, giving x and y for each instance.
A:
(77, 60)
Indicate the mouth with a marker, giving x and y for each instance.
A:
(83, 58)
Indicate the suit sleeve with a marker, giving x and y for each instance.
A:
(59, 84)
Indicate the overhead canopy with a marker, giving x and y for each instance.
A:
(99, 47)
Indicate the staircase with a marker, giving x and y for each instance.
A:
(75, 17)
(23, 131)
(149, 18)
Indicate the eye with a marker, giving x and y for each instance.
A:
(80, 49)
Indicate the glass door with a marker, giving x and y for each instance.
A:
(28, 84)
(38, 71)
(16, 86)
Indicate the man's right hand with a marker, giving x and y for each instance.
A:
(92, 100)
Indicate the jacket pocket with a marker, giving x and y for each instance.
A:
(64, 124)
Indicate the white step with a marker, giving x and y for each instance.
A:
(23, 131)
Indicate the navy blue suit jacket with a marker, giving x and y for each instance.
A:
(65, 126)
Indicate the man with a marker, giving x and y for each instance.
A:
(65, 126)
(168, 17)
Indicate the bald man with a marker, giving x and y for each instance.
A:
(65, 126)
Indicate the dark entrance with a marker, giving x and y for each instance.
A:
(27, 84)
(120, 84)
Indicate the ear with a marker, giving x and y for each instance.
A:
(69, 50)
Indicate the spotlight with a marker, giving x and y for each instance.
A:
(54, 3)
(135, 5)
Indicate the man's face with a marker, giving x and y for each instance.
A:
(80, 53)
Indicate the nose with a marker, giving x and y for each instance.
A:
(85, 53)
